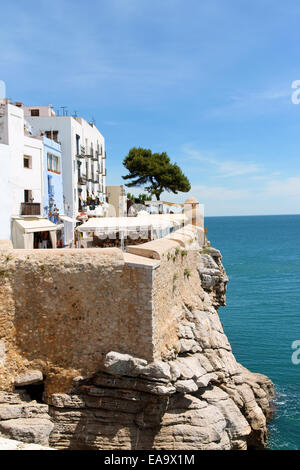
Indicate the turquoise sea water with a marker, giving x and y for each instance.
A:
(261, 255)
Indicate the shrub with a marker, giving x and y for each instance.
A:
(187, 273)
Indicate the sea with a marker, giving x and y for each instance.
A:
(261, 255)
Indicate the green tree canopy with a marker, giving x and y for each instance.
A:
(140, 199)
(154, 170)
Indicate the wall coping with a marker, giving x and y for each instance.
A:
(136, 261)
(157, 248)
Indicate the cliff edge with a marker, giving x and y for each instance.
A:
(198, 398)
(104, 350)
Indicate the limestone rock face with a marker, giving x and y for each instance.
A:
(34, 430)
(23, 419)
(212, 274)
(10, 444)
(29, 377)
(200, 398)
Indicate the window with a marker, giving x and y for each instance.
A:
(53, 163)
(77, 144)
(27, 195)
(35, 112)
(52, 135)
(27, 161)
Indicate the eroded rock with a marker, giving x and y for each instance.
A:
(29, 377)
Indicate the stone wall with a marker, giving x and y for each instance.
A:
(176, 281)
(61, 310)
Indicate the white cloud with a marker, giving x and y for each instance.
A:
(252, 102)
(225, 168)
(219, 193)
(288, 187)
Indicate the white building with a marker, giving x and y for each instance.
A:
(22, 167)
(83, 155)
(5, 192)
(26, 162)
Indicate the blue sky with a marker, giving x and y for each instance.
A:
(207, 81)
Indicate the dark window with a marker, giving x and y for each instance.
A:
(27, 162)
(35, 112)
(27, 195)
(53, 135)
(77, 144)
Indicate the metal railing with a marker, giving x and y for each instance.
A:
(82, 152)
(90, 153)
(82, 179)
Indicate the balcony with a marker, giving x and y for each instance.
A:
(90, 153)
(82, 152)
(82, 180)
(30, 208)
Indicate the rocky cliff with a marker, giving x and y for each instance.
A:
(192, 395)
(197, 398)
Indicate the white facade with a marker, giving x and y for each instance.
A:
(5, 191)
(22, 166)
(116, 197)
(83, 156)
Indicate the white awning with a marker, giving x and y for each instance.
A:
(66, 218)
(36, 225)
(170, 217)
(23, 230)
(129, 224)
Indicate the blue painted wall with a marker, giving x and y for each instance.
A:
(53, 182)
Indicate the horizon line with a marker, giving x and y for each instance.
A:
(252, 215)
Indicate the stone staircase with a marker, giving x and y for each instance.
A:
(24, 419)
